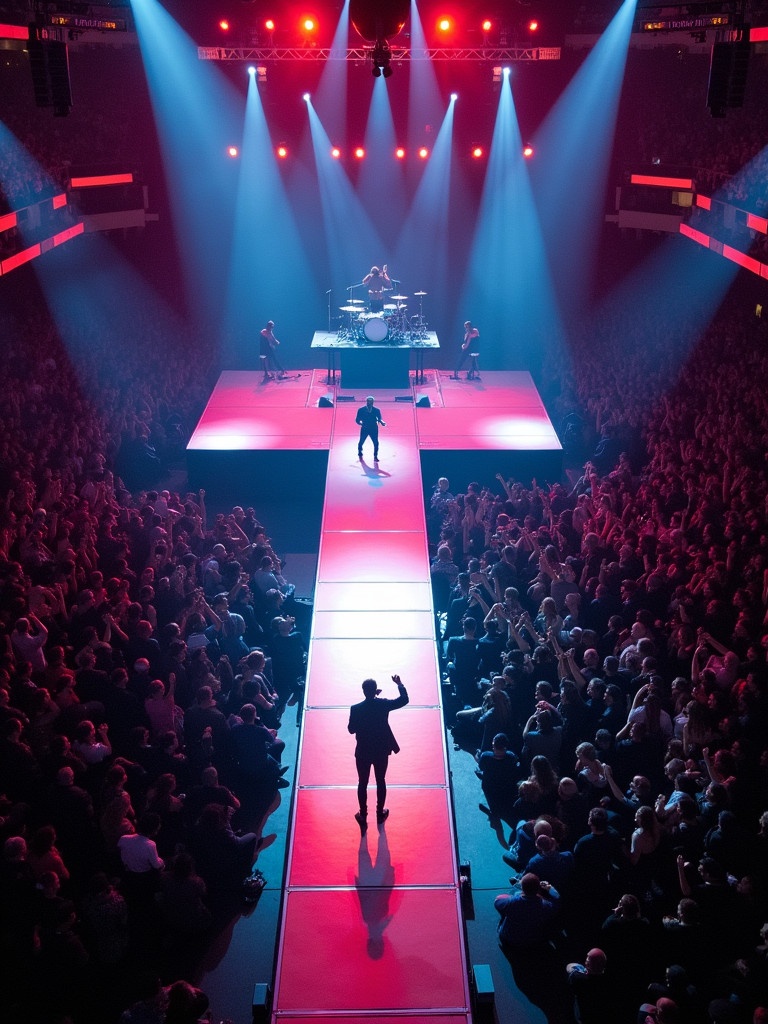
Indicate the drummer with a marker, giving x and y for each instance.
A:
(377, 282)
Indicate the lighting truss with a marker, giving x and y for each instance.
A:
(399, 54)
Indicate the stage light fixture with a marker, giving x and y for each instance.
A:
(478, 152)
(487, 25)
(269, 25)
(497, 74)
(282, 150)
(445, 24)
(251, 69)
(233, 152)
(400, 153)
(359, 153)
(224, 25)
(423, 153)
(377, 22)
(381, 56)
(507, 72)
(305, 97)
(454, 97)
(533, 25)
(261, 74)
(309, 25)
(335, 152)
(528, 152)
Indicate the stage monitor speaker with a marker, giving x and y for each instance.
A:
(423, 402)
(325, 402)
(262, 997)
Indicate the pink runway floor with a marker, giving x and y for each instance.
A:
(371, 925)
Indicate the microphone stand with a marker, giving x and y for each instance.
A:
(328, 293)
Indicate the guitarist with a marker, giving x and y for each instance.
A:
(268, 347)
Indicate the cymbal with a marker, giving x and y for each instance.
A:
(348, 309)
(358, 302)
(420, 293)
(399, 296)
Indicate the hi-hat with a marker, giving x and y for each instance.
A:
(420, 293)
(348, 309)
(358, 302)
(399, 296)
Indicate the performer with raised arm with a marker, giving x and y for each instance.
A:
(369, 724)
(377, 282)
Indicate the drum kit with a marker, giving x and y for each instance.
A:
(392, 324)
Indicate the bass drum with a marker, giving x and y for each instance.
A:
(376, 329)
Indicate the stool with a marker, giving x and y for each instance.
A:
(474, 368)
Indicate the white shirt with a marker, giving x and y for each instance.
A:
(139, 854)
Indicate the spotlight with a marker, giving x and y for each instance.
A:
(478, 152)
(444, 24)
(507, 72)
(251, 69)
(528, 152)
(497, 74)
(305, 97)
(335, 152)
(282, 151)
(400, 153)
(233, 152)
(423, 153)
(454, 96)
(309, 25)
(269, 25)
(224, 25)
(487, 25)
(359, 153)
(533, 25)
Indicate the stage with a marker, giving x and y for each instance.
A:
(276, 435)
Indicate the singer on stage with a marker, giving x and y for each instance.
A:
(368, 419)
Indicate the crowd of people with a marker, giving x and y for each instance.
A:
(147, 653)
(148, 656)
(605, 647)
